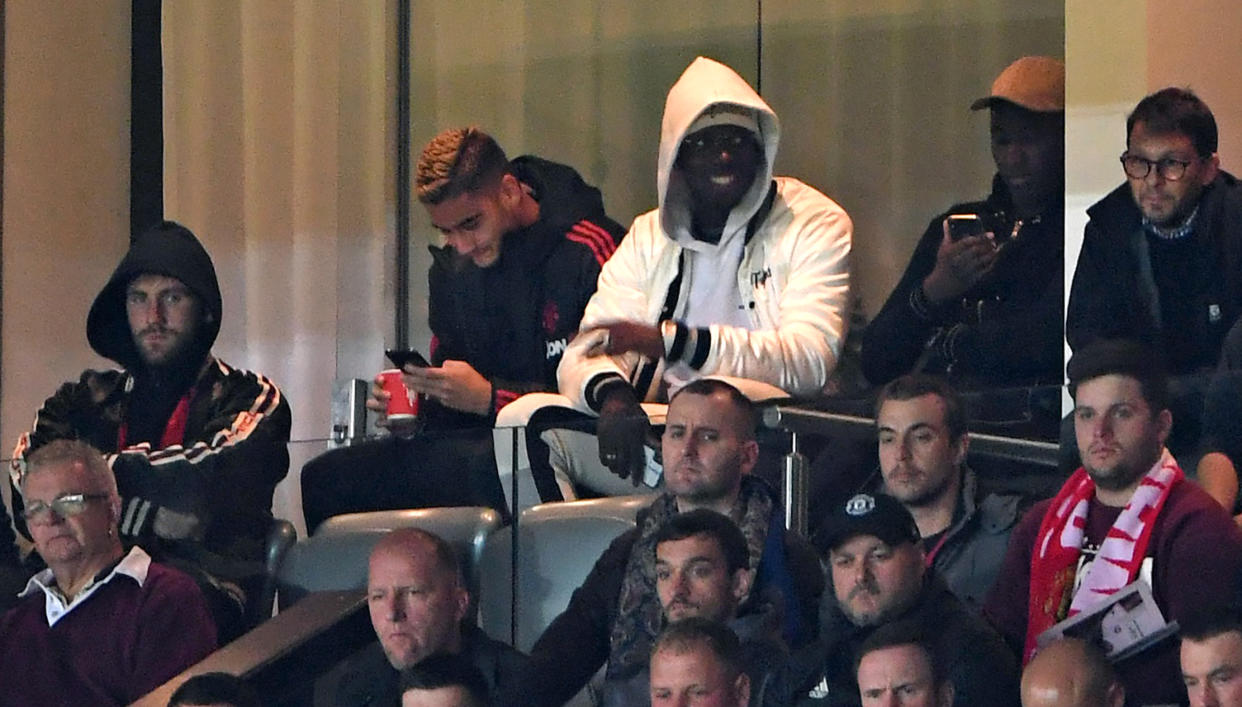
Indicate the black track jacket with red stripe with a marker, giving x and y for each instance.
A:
(204, 499)
(512, 320)
(232, 456)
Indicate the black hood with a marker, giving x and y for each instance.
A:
(564, 197)
(168, 249)
(564, 200)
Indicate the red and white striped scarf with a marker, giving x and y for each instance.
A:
(1059, 543)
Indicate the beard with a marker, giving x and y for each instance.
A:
(176, 343)
(181, 351)
(1117, 477)
(1124, 472)
(922, 497)
(863, 618)
(882, 613)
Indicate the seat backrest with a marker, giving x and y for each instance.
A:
(336, 556)
(280, 538)
(558, 544)
(624, 508)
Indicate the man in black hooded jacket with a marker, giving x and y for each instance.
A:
(197, 446)
(524, 241)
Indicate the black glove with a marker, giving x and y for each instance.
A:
(622, 431)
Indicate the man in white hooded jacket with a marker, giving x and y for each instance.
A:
(737, 273)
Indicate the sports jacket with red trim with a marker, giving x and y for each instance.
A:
(513, 320)
(216, 485)
(233, 455)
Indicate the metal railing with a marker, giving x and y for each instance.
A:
(801, 421)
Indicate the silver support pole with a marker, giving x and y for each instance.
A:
(349, 412)
(797, 476)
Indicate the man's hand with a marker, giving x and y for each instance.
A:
(959, 265)
(455, 384)
(378, 404)
(621, 431)
(174, 525)
(622, 337)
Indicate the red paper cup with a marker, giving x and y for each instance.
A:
(402, 404)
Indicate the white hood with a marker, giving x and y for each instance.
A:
(703, 84)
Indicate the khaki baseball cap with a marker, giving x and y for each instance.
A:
(1036, 83)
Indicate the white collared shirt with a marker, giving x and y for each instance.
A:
(134, 565)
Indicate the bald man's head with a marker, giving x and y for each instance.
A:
(416, 597)
(419, 542)
(1071, 673)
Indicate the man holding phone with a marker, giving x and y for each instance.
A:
(524, 241)
(981, 298)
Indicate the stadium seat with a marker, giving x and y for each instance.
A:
(280, 537)
(335, 557)
(558, 543)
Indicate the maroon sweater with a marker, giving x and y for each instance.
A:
(119, 644)
(1196, 553)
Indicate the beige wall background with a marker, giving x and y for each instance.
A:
(279, 142)
(66, 190)
(278, 153)
(1195, 43)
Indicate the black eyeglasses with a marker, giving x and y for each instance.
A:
(1169, 169)
(64, 506)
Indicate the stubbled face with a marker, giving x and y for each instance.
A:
(719, 164)
(898, 676)
(1119, 436)
(919, 459)
(874, 581)
(692, 579)
(1167, 203)
(694, 678)
(706, 449)
(1029, 151)
(415, 606)
(164, 316)
(1212, 670)
(474, 223)
(454, 696)
(80, 539)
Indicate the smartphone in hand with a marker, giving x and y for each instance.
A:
(963, 225)
(400, 357)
